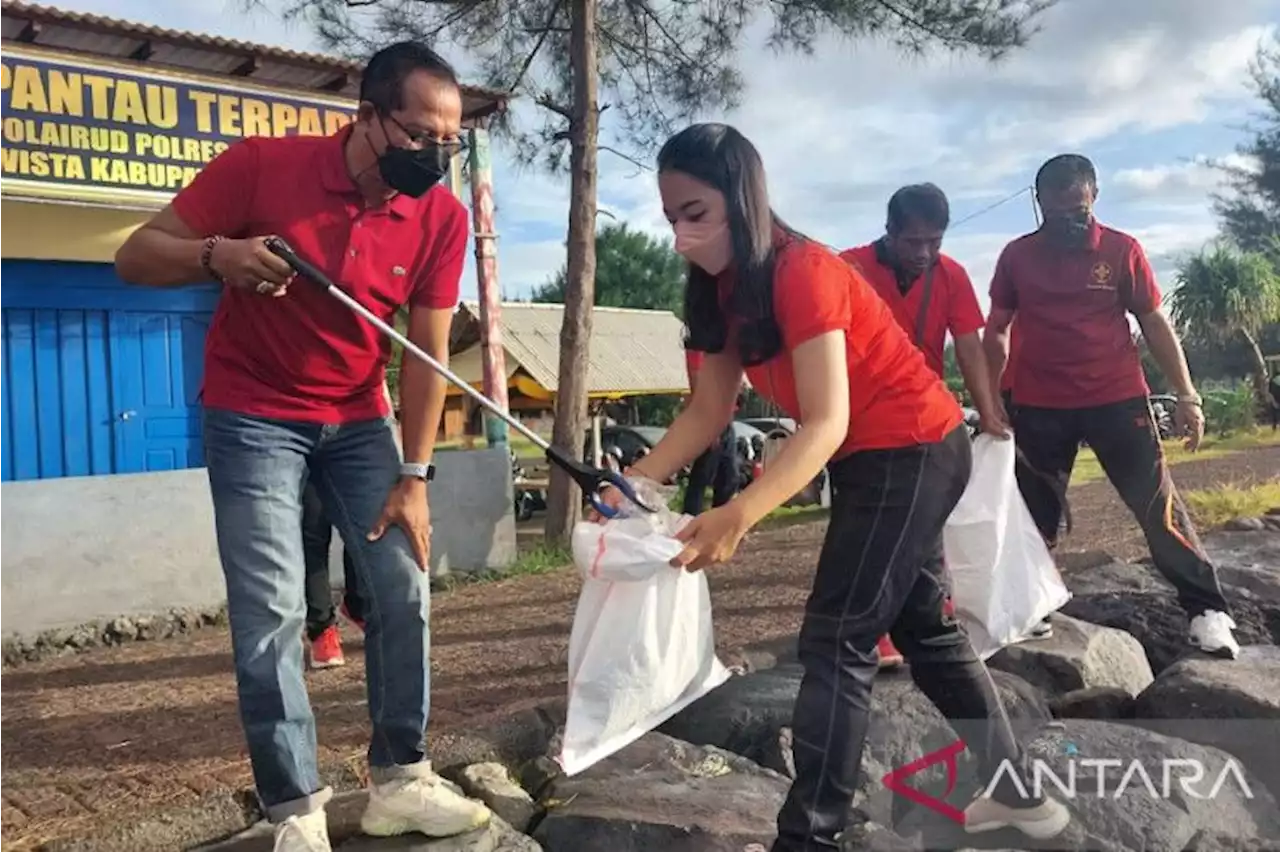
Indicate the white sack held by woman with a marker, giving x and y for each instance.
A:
(1004, 581)
(642, 646)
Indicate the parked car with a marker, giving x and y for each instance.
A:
(783, 427)
(631, 442)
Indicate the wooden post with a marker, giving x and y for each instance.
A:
(492, 354)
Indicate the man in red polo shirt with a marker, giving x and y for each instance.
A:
(1071, 285)
(930, 295)
(293, 383)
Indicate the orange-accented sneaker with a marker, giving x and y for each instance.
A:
(326, 649)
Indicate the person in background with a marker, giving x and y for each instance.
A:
(324, 642)
(293, 391)
(717, 467)
(931, 296)
(1069, 286)
(816, 341)
(1275, 399)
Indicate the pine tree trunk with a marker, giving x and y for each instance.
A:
(564, 500)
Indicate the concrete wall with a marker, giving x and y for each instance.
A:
(85, 548)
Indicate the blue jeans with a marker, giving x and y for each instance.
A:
(257, 471)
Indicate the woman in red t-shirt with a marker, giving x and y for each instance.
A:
(816, 340)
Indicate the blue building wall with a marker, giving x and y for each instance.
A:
(98, 376)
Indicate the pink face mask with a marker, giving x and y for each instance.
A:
(704, 245)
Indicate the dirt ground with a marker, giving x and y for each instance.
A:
(103, 737)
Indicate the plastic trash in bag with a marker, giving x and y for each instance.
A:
(1004, 582)
(642, 646)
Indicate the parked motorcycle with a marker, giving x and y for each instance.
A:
(527, 499)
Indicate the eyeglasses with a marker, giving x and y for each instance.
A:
(454, 145)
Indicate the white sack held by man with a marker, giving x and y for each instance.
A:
(1004, 581)
(642, 646)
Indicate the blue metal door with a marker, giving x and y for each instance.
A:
(156, 364)
(98, 376)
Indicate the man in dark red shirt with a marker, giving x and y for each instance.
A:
(931, 296)
(294, 383)
(1071, 286)
(716, 468)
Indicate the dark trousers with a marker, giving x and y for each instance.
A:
(1124, 438)
(881, 570)
(317, 533)
(717, 468)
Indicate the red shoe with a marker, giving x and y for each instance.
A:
(346, 613)
(890, 658)
(326, 650)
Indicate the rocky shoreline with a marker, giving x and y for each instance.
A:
(1116, 688)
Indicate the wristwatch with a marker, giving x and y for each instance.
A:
(1191, 399)
(417, 470)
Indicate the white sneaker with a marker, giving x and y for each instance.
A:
(425, 805)
(1042, 822)
(1211, 633)
(307, 833)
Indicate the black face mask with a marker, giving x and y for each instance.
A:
(414, 172)
(1071, 229)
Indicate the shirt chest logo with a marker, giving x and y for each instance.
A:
(1100, 275)
(397, 271)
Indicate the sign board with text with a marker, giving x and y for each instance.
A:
(89, 130)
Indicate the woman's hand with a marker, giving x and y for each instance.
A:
(712, 537)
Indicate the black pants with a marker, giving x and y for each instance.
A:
(717, 468)
(1123, 436)
(881, 570)
(317, 533)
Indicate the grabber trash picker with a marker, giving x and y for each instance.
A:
(587, 477)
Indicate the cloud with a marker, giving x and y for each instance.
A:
(1147, 88)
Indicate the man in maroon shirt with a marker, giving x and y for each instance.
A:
(1071, 285)
(293, 383)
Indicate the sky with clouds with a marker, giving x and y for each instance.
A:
(1148, 89)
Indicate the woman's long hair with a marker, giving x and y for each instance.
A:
(721, 157)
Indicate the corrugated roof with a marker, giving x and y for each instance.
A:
(80, 32)
(632, 351)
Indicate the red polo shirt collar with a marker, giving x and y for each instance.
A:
(1092, 244)
(335, 178)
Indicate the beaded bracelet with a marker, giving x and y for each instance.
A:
(206, 257)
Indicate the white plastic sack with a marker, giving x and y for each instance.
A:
(642, 646)
(1004, 581)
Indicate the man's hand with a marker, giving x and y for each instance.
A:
(995, 422)
(249, 264)
(1188, 421)
(406, 507)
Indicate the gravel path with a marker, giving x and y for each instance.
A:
(104, 737)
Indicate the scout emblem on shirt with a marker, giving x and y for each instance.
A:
(397, 270)
(1100, 276)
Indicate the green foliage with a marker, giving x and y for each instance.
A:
(953, 377)
(633, 270)
(1230, 409)
(1221, 293)
(1250, 208)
